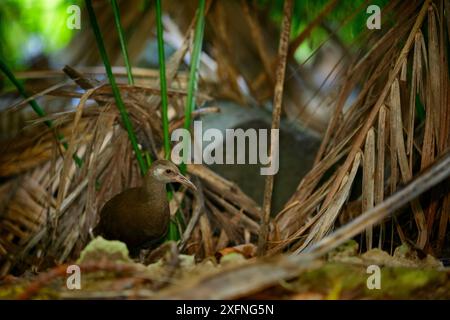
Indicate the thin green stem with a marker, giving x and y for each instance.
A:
(123, 44)
(119, 102)
(162, 79)
(173, 233)
(148, 159)
(36, 107)
(193, 73)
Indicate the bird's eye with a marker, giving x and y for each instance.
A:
(168, 171)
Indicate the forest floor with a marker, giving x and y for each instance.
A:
(108, 273)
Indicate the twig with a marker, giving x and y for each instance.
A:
(78, 78)
(198, 209)
(277, 101)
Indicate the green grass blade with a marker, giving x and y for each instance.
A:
(123, 44)
(173, 233)
(193, 73)
(148, 159)
(36, 107)
(115, 89)
(162, 79)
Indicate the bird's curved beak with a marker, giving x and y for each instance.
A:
(184, 181)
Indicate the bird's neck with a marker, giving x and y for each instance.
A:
(154, 188)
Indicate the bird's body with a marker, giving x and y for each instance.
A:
(140, 216)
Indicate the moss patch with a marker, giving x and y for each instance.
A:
(336, 280)
(100, 248)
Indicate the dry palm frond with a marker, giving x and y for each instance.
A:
(382, 120)
(48, 220)
(54, 204)
(48, 205)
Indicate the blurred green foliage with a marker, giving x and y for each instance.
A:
(28, 27)
(306, 11)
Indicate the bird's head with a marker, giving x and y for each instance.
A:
(167, 172)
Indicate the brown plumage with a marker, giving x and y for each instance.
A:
(140, 216)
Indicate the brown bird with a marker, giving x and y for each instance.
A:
(139, 217)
